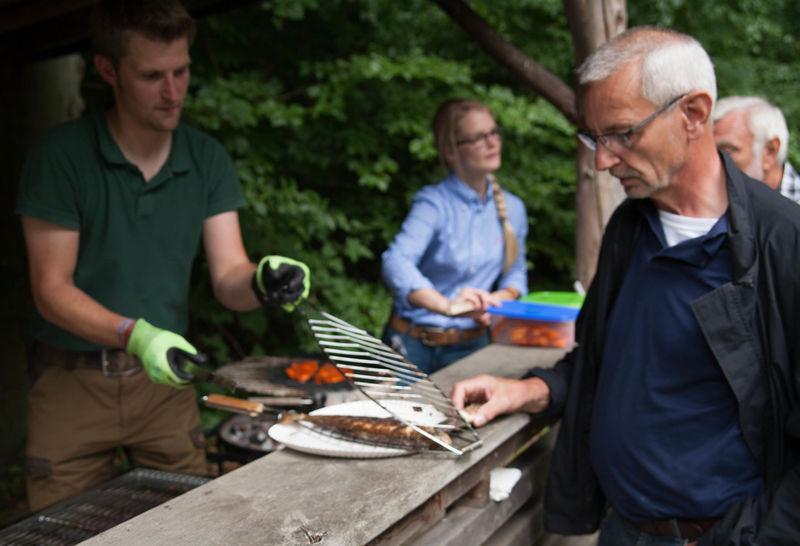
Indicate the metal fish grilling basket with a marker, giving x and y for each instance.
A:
(393, 383)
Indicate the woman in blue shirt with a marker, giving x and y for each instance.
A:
(463, 238)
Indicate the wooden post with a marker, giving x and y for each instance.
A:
(592, 23)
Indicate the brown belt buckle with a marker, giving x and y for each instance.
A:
(113, 369)
(423, 336)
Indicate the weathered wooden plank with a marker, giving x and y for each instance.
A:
(410, 525)
(466, 525)
(523, 528)
(289, 497)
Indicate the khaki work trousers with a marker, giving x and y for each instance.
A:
(77, 419)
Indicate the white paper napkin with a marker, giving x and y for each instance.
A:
(502, 481)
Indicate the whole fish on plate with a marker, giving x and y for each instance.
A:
(384, 431)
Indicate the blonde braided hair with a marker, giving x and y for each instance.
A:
(510, 249)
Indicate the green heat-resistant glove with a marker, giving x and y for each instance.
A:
(281, 281)
(156, 348)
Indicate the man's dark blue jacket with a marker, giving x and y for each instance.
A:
(752, 325)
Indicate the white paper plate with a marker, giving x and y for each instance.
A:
(296, 436)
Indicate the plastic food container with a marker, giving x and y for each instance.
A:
(534, 324)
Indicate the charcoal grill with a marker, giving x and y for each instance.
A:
(94, 511)
(266, 376)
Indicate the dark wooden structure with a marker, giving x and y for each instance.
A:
(37, 29)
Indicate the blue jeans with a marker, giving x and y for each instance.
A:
(615, 531)
(427, 358)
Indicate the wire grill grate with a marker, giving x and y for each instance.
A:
(389, 380)
(94, 511)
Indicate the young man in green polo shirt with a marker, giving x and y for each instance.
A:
(113, 208)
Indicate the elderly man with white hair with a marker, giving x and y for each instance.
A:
(680, 404)
(753, 132)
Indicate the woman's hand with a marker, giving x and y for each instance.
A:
(481, 300)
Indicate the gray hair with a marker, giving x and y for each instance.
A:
(671, 63)
(764, 121)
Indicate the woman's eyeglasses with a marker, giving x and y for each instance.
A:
(482, 138)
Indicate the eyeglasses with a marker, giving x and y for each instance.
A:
(482, 138)
(621, 141)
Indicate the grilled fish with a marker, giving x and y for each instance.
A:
(384, 431)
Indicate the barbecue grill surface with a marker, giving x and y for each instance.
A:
(90, 513)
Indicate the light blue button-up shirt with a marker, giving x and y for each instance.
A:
(450, 240)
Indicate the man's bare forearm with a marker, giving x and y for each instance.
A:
(70, 308)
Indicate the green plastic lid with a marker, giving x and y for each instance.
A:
(567, 299)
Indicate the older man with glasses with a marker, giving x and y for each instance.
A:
(680, 411)
(754, 133)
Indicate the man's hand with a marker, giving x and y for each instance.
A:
(500, 396)
(152, 345)
(281, 281)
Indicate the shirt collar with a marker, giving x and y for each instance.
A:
(790, 178)
(464, 192)
(710, 243)
(108, 146)
(178, 161)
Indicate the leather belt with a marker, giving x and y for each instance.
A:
(112, 362)
(433, 336)
(678, 528)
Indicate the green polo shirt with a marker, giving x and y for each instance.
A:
(137, 240)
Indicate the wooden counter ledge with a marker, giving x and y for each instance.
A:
(288, 497)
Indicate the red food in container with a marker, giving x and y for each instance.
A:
(533, 324)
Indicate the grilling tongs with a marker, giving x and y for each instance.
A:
(189, 367)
